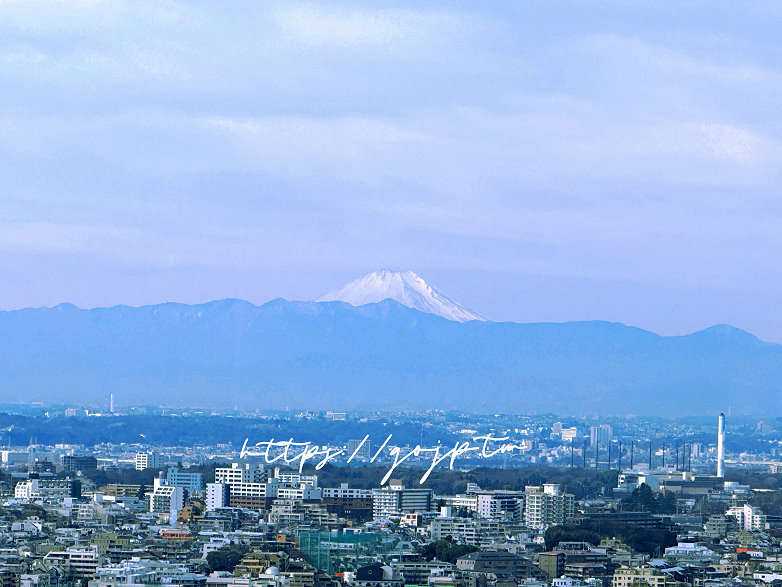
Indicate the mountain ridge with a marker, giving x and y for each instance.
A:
(720, 328)
(331, 355)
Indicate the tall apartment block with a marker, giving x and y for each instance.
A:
(546, 505)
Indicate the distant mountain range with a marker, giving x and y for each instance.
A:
(333, 355)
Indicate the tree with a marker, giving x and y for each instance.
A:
(648, 540)
(226, 558)
(463, 512)
(666, 503)
(446, 550)
(556, 534)
(641, 499)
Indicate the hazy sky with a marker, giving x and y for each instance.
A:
(535, 160)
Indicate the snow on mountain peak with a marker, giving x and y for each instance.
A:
(404, 287)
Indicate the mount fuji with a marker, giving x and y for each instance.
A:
(404, 287)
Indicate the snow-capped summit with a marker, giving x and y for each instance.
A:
(404, 287)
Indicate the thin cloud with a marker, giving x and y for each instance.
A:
(520, 138)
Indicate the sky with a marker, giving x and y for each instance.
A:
(537, 161)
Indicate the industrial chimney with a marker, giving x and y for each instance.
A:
(721, 447)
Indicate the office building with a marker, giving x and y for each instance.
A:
(73, 463)
(362, 451)
(602, 434)
(193, 482)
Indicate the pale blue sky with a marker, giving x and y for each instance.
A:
(535, 160)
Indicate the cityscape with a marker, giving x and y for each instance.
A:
(578, 501)
(390, 293)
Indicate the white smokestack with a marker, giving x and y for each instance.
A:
(721, 446)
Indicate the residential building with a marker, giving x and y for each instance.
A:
(647, 576)
(689, 553)
(467, 530)
(393, 501)
(546, 506)
(346, 492)
(80, 562)
(137, 571)
(506, 566)
(148, 460)
(217, 496)
(500, 505)
(749, 518)
(27, 490)
(166, 500)
(378, 575)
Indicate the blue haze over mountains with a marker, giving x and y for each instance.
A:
(331, 355)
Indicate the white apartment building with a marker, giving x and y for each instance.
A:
(217, 496)
(467, 501)
(392, 501)
(27, 490)
(295, 478)
(345, 492)
(148, 460)
(137, 571)
(685, 553)
(250, 489)
(631, 577)
(500, 505)
(167, 500)
(233, 474)
(467, 530)
(749, 518)
(82, 560)
(385, 503)
(238, 473)
(286, 512)
(304, 492)
(193, 482)
(547, 506)
(244, 481)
